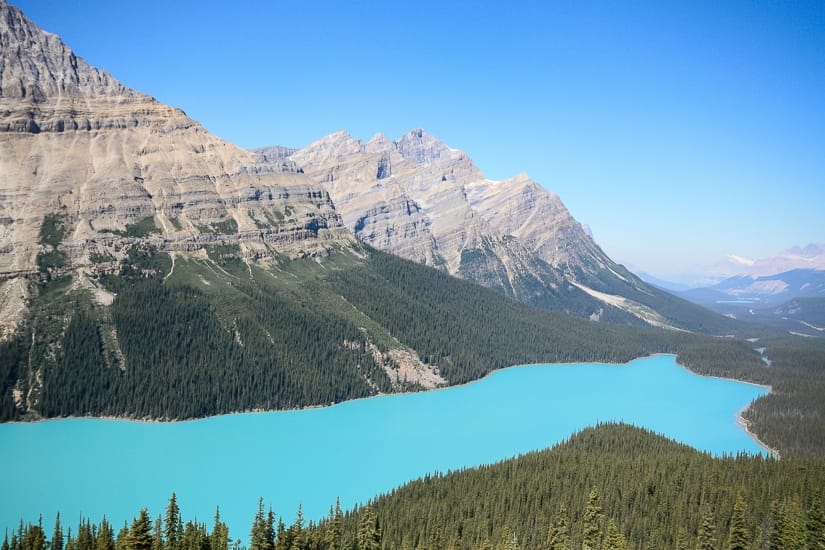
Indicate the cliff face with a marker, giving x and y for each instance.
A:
(423, 200)
(78, 146)
(420, 199)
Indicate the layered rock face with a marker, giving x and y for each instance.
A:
(77, 145)
(423, 200)
(76, 142)
(420, 199)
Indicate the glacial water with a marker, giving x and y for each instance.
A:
(353, 450)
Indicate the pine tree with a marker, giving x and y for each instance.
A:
(681, 539)
(157, 539)
(368, 537)
(105, 539)
(219, 539)
(140, 534)
(614, 539)
(707, 531)
(262, 536)
(269, 530)
(592, 521)
(738, 537)
(282, 541)
(172, 524)
(558, 535)
(57, 535)
(297, 529)
(122, 540)
(779, 521)
(335, 533)
(85, 539)
(815, 524)
(33, 537)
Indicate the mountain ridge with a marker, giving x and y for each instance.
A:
(427, 202)
(113, 167)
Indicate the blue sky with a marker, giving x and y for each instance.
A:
(678, 132)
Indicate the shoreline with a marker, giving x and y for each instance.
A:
(745, 425)
(741, 422)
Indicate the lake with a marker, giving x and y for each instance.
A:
(353, 450)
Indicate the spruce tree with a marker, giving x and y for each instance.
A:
(122, 540)
(105, 537)
(219, 539)
(558, 535)
(57, 535)
(297, 529)
(262, 536)
(140, 534)
(738, 536)
(368, 537)
(269, 530)
(157, 539)
(33, 537)
(592, 521)
(172, 524)
(815, 524)
(85, 539)
(335, 531)
(707, 532)
(614, 539)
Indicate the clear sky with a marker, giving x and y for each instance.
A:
(680, 132)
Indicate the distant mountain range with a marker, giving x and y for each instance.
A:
(793, 300)
(811, 256)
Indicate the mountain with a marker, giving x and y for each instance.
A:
(91, 168)
(427, 202)
(791, 300)
(149, 269)
(811, 256)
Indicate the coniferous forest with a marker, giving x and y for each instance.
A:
(188, 337)
(196, 337)
(607, 488)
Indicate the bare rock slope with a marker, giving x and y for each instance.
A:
(425, 201)
(79, 148)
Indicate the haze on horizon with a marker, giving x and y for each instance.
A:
(678, 134)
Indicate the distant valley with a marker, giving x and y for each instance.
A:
(793, 301)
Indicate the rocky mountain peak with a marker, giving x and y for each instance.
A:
(419, 147)
(420, 199)
(112, 167)
(37, 64)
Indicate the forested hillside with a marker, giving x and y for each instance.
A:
(190, 336)
(611, 487)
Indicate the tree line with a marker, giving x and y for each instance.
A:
(611, 487)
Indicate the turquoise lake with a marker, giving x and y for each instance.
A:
(354, 450)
